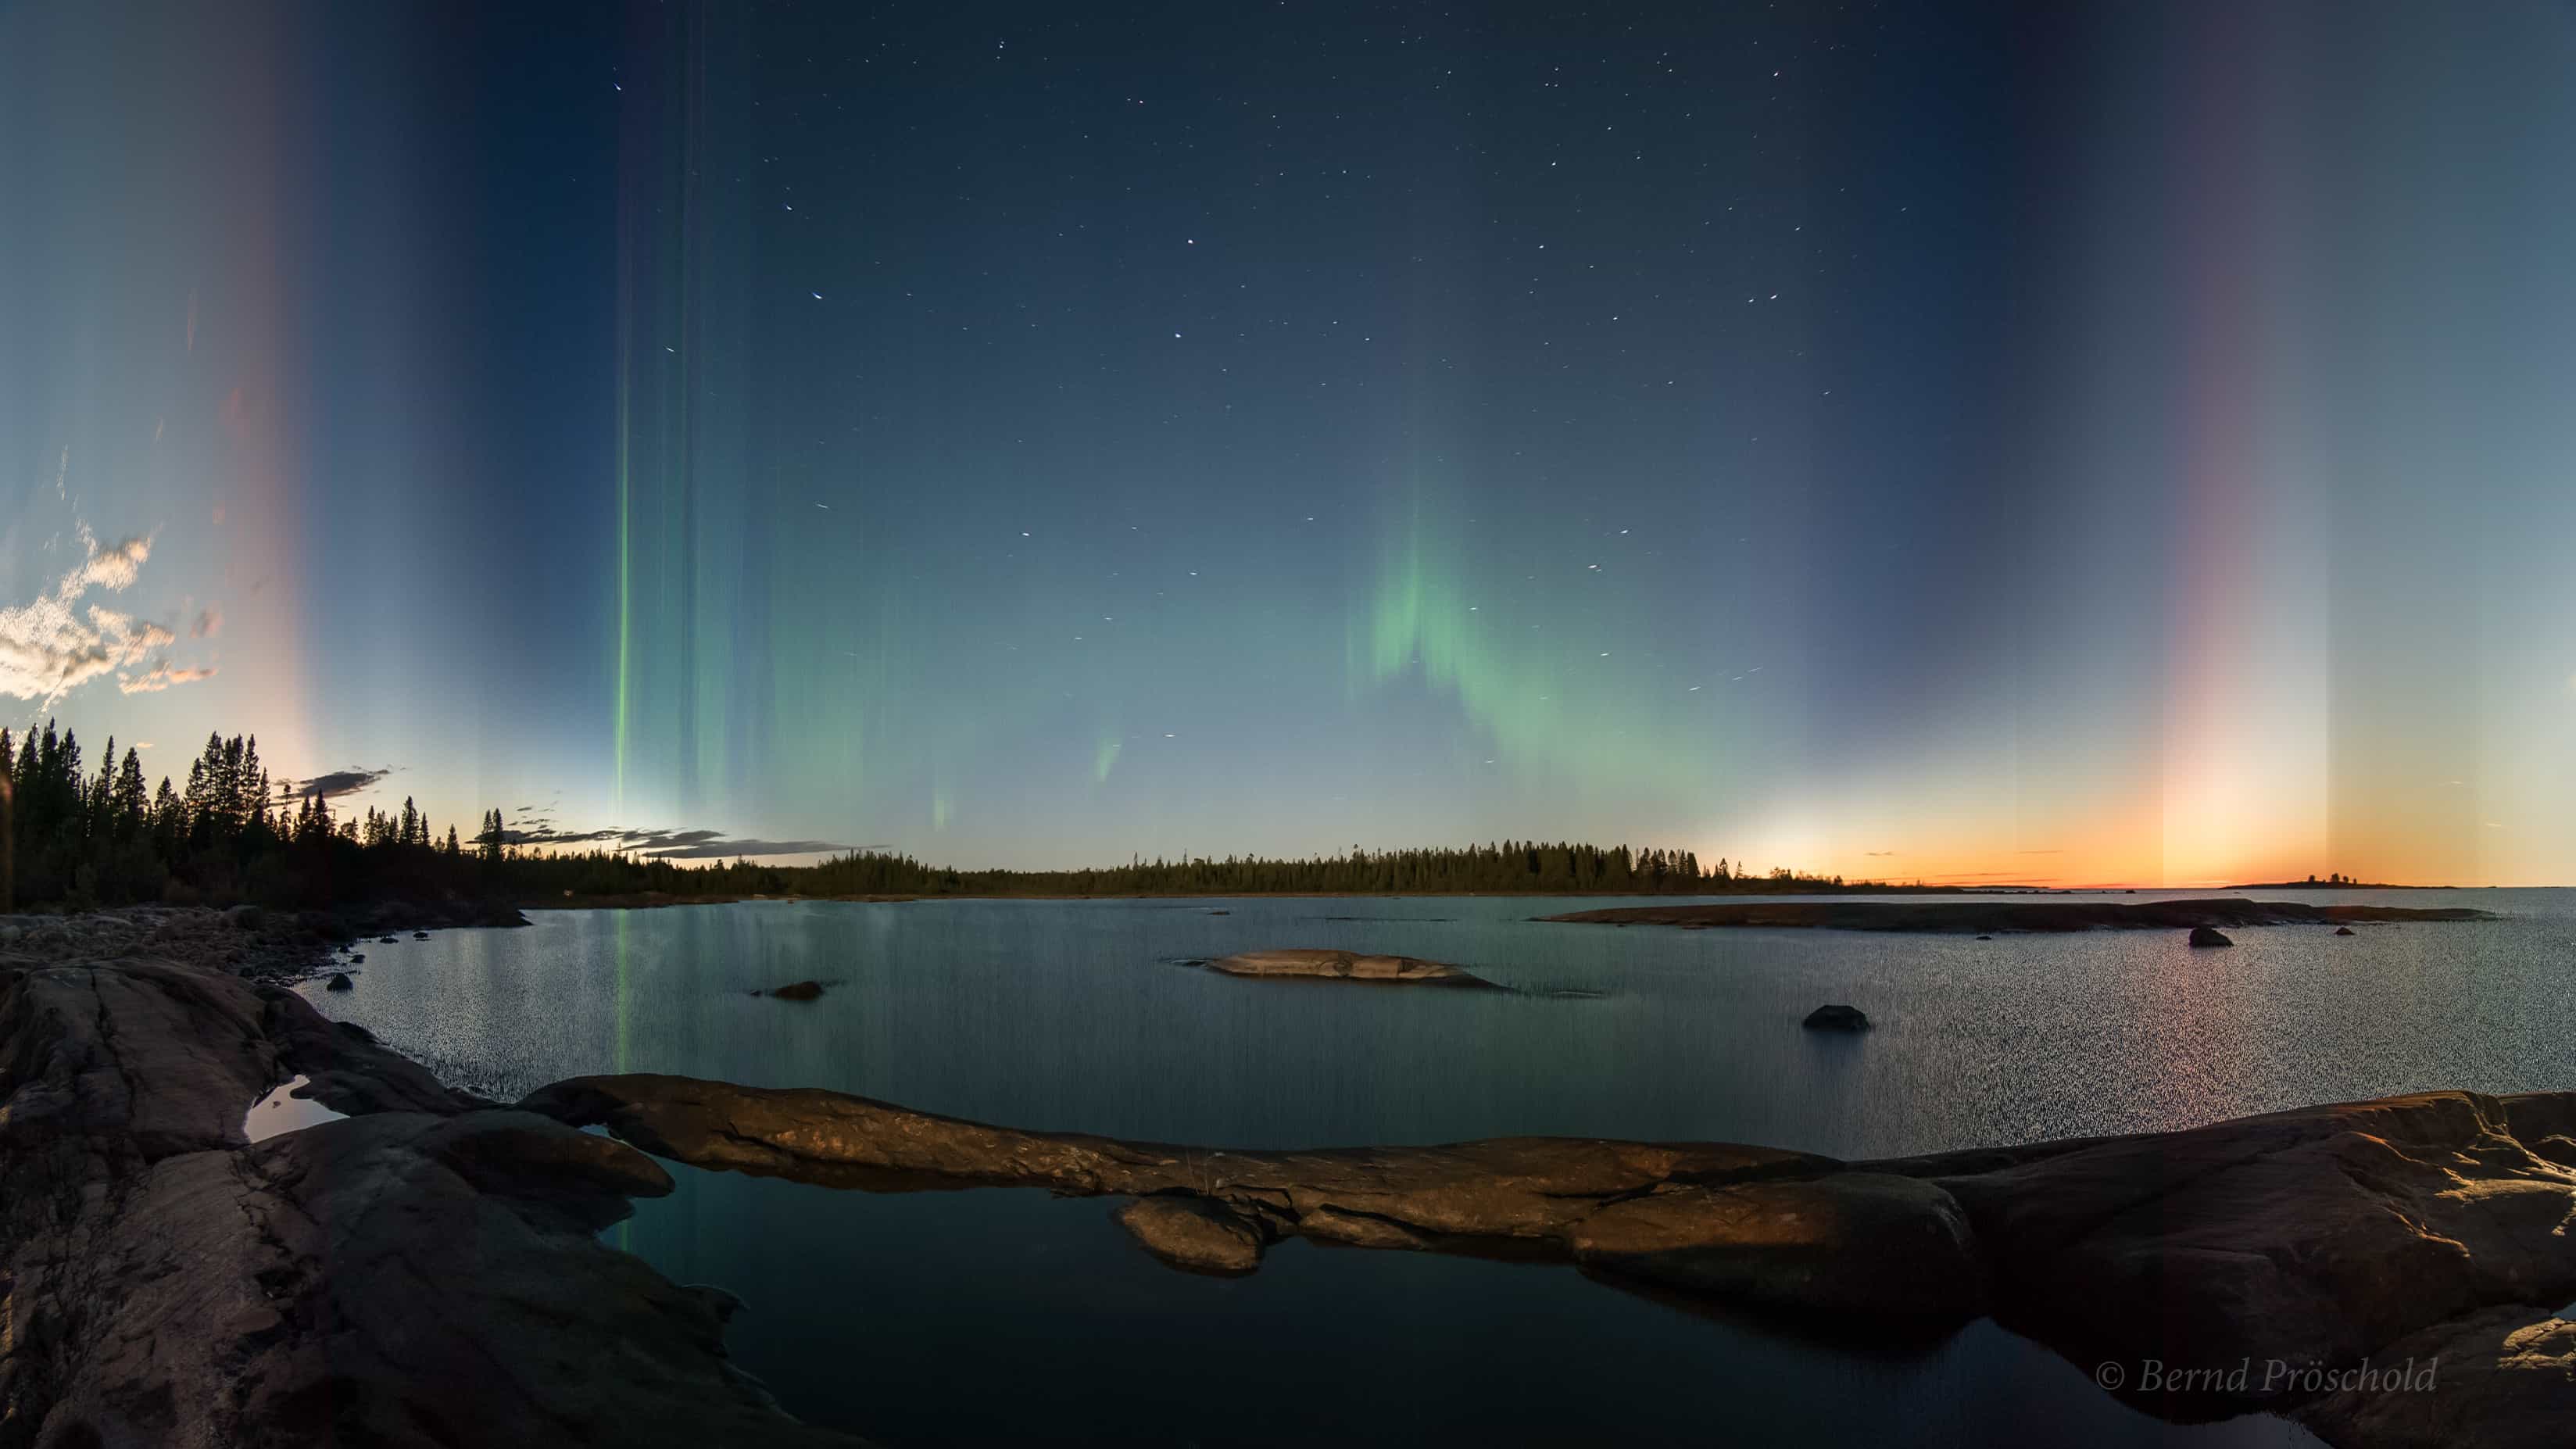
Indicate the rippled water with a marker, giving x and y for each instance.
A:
(1005, 1314)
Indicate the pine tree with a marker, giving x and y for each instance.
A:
(101, 793)
(130, 808)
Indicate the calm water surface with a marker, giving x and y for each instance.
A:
(1005, 1314)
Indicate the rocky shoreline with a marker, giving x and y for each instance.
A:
(428, 1269)
(426, 1272)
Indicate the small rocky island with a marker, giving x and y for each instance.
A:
(427, 1269)
(1322, 965)
(1996, 917)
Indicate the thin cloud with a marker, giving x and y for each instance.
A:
(160, 677)
(713, 849)
(60, 642)
(656, 844)
(210, 622)
(543, 835)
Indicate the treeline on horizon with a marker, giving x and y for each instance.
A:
(73, 838)
(1500, 868)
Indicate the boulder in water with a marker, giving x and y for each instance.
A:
(2343, 930)
(1836, 1018)
(2209, 936)
(339, 982)
(798, 991)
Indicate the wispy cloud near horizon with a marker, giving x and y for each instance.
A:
(160, 677)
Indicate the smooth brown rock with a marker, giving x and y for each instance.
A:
(1743, 1224)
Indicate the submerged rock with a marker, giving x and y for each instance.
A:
(1836, 1018)
(2209, 936)
(1345, 966)
(1848, 1243)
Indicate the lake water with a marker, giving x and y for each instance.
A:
(1007, 1315)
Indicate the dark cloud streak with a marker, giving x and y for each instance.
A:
(655, 844)
(341, 782)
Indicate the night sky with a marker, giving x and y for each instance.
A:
(1959, 442)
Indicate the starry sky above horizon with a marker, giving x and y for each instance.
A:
(1961, 442)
